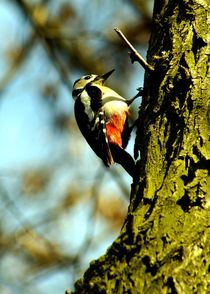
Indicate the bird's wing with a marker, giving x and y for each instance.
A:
(94, 130)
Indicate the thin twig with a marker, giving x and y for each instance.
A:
(134, 54)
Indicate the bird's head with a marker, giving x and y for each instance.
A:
(80, 84)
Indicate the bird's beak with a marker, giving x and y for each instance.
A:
(105, 76)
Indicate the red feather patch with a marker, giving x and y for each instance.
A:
(115, 128)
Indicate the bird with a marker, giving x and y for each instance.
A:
(102, 117)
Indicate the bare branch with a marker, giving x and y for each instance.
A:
(134, 54)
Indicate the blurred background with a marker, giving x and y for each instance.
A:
(60, 207)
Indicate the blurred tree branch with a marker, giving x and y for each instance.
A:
(48, 43)
(17, 56)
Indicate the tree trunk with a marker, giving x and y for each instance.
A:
(164, 245)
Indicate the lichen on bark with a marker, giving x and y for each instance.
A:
(164, 245)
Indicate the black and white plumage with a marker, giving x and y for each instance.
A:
(102, 117)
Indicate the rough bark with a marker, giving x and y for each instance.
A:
(164, 245)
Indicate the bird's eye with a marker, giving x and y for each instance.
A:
(87, 77)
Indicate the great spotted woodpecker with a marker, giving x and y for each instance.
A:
(102, 117)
